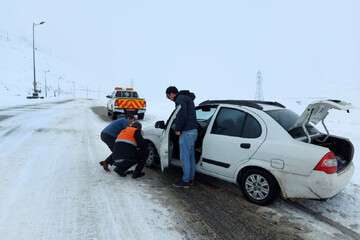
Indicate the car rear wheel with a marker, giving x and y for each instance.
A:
(259, 186)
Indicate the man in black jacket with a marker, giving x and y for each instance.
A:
(186, 128)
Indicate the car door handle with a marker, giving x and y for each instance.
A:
(245, 145)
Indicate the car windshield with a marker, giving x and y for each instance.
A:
(287, 119)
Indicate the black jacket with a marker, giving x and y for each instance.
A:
(123, 150)
(186, 117)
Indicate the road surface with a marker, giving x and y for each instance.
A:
(51, 187)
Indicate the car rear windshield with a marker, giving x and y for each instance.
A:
(287, 119)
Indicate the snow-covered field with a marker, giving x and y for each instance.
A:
(16, 68)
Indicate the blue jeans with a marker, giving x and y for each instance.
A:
(187, 154)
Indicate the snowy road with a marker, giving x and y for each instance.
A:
(51, 187)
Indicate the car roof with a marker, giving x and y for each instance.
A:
(261, 105)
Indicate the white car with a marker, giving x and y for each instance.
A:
(263, 147)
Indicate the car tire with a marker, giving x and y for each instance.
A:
(141, 116)
(153, 159)
(259, 186)
(114, 116)
(109, 114)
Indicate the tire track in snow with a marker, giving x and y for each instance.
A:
(345, 230)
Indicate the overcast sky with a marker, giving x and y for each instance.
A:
(211, 47)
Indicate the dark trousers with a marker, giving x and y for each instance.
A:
(123, 165)
(110, 142)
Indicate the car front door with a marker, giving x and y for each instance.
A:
(232, 138)
(165, 151)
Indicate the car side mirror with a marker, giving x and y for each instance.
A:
(108, 96)
(160, 124)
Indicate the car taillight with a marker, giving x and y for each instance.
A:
(327, 164)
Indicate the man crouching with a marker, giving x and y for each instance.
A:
(130, 148)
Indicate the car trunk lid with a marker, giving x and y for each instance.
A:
(317, 112)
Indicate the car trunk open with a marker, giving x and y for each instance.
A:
(342, 147)
(302, 128)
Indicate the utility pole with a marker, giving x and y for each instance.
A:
(60, 78)
(45, 72)
(73, 88)
(36, 92)
(259, 95)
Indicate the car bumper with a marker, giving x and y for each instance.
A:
(127, 111)
(317, 185)
(328, 185)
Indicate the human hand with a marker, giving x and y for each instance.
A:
(177, 133)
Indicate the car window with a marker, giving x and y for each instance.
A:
(252, 128)
(229, 122)
(236, 123)
(205, 113)
(287, 119)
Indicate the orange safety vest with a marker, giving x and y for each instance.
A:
(127, 135)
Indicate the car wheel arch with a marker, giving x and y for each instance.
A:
(149, 142)
(243, 170)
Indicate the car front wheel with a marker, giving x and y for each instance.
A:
(153, 158)
(259, 186)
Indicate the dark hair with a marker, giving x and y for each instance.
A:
(172, 89)
(137, 125)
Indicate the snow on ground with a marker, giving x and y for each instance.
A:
(51, 186)
(10, 101)
(16, 68)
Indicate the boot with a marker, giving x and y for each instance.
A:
(105, 165)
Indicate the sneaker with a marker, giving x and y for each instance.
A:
(182, 184)
(105, 165)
